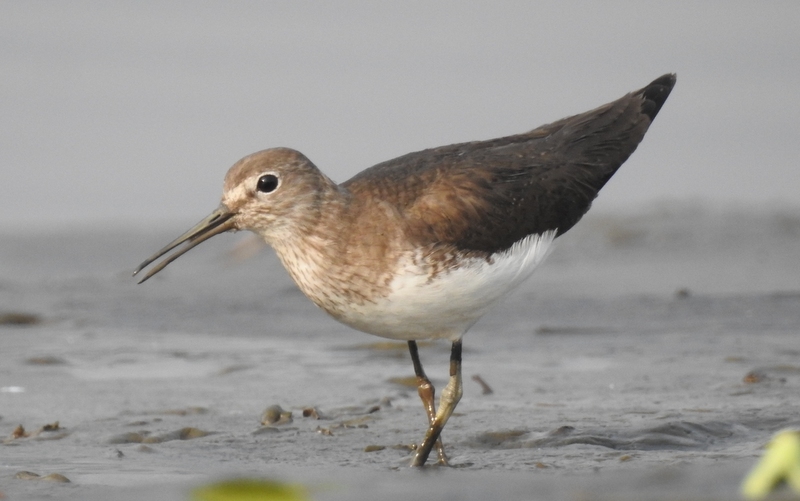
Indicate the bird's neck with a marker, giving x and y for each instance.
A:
(308, 249)
(338, 259)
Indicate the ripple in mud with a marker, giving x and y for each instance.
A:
(144, 437)
(673, 435)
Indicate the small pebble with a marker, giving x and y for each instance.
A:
(190, 433)
(753, 377)
(275, 415)
(19, 432)
(56, 477)
(27, 475)
(45, 360)
(51, 427)
(311, 412)
(53, 477)
(18, 318)
(271, 414)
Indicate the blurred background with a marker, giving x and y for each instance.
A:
(129, 113)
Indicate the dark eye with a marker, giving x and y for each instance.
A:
(267, 183)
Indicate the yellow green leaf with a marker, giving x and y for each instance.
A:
(780, 463)
(244, 489)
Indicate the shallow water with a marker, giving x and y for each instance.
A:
(650, 356)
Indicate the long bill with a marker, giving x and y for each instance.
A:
(217, 222)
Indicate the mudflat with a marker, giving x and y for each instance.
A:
(650, 356)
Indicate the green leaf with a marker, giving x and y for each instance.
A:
(781, 463)
(244, 489)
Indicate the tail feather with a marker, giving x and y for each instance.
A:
(656, 93)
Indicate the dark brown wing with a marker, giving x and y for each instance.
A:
(485, 196)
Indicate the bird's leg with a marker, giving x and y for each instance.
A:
(426, 394)
(447, 404)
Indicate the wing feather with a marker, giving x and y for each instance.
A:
(484, 196)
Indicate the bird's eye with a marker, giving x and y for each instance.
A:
(267, 183)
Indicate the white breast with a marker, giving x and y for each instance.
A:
(444, 307)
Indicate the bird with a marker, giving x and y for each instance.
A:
(421, 246)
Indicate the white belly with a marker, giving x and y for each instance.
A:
(446, 306)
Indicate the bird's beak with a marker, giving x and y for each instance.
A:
(217, 222)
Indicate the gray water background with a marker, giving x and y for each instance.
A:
(130, 112)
